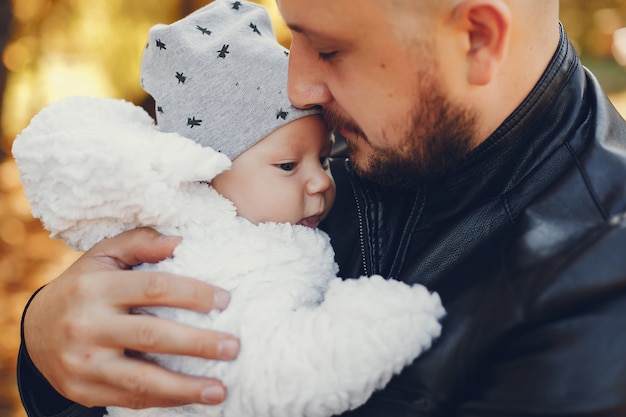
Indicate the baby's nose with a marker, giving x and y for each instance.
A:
(319, 182)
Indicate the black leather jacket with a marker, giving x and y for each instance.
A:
(525, 241)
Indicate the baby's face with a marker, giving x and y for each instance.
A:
(285, 177)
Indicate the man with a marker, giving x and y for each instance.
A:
(489, 167)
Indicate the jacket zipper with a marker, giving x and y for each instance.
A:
(361, 231)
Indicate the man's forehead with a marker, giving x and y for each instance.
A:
(322, 16)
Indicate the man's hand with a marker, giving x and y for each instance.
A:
(78, 327)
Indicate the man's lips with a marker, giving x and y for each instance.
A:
(352, 137)
(311, 222)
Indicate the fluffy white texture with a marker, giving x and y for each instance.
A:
(92, 168)
(312, 344)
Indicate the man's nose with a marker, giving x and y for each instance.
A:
(306, 85)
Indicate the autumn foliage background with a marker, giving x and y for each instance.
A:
(55, 48)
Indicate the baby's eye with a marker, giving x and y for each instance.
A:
(287, 166)
(325, 162)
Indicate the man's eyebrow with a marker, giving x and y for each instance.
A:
(295, 28)
(309, 31)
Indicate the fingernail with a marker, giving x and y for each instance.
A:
(168, 238)
(221, 299)
(228, 349)
(213, 394)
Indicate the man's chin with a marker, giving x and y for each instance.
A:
(391, 171)
(361, 164)
(358, 159)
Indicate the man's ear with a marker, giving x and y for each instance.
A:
(486, 24)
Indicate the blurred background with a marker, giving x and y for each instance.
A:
(55, 48)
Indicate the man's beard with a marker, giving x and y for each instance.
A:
(440, 136)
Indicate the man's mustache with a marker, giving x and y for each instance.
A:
(338, 122)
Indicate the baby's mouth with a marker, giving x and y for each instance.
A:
(311, 222)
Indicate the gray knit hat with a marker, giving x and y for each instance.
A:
(219, 76)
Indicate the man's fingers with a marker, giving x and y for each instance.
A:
(132, 248)
(145, 288)
(145, 333)
(165, 386)
(135, 384)
(78, 327)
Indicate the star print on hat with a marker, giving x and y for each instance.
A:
(219, 76)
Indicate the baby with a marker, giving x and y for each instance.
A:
(243, 177)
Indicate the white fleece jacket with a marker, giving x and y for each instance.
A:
(312, 344)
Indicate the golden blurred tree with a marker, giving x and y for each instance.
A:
(5, 31)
